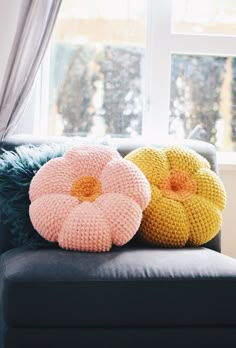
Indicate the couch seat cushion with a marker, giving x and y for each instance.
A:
(128, 287)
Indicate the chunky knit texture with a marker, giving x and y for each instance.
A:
(88, 199)
(187, 197)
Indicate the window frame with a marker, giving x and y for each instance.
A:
(161, 44)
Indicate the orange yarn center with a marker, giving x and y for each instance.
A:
(86, 188)
(178, 185)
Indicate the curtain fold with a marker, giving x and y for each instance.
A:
(34, 28)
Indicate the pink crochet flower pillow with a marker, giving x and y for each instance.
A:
(88, 199)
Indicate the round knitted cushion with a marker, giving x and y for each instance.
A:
(88, 199)
(187, 197)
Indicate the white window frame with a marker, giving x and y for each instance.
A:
(161, 43)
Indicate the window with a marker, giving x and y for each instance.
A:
(97, 68)
(147, 68)
(204, 17)
(202, 103)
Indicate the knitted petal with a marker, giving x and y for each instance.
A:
(54, 177)
(122, 214)
(89, 160)
(164, 222)
(205, 220)
(210, 187)
(85, 229)
(122, 176)
(48, 213)
(185, 159)
(152, 162)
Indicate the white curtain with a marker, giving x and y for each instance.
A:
(35, 25)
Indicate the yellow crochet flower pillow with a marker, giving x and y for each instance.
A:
(187, 197)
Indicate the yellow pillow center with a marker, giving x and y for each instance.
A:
(86, 188)
(178, 185)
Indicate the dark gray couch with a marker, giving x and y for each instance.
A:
(134, 296)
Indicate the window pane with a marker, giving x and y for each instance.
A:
(204, 16)
(203, 99)
(96, 68)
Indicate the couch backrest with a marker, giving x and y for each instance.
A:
(124, 146)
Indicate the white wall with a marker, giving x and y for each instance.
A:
(228, 177)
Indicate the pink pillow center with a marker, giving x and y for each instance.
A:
(86, 188)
